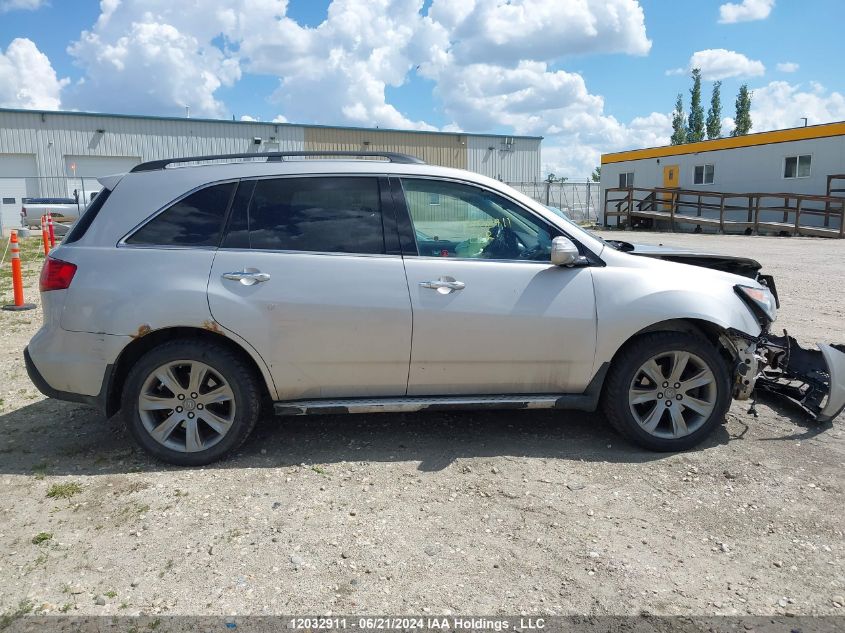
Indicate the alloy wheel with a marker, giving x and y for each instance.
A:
(672, 394)
(186, 406)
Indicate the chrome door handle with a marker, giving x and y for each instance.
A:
(444, 285)
(247, 276)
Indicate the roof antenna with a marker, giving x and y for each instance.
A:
(187, 112)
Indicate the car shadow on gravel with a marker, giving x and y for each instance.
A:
(56, 438)
(795, 414)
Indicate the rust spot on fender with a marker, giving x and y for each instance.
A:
(143, 330)
(212, 326)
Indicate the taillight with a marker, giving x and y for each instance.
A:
(56, 275)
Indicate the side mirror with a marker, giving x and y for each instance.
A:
(564, 252)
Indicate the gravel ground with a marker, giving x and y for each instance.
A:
(488, 513)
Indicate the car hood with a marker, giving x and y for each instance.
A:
(743, 266)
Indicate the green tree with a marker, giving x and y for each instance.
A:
(695, 129)
(714, 114)
(679, 128)
(596, 175)
(742, 120)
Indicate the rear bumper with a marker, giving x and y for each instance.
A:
(73, 366)
(97, 401)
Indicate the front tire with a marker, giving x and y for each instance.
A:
(190, 403)
(667, 391)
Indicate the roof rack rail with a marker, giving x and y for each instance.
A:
(392, 157)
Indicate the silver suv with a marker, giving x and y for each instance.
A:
(193, 294)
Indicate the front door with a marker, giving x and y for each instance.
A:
(491, 314)
(303, 274)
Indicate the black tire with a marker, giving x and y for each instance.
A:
(231, 367)
(625, 369)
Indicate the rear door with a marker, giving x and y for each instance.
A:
(306, 276)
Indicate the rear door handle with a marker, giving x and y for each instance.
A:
(444, 285)
(247, 276)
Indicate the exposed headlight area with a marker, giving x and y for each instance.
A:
(761, 301)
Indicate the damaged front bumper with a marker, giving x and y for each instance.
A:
(812, 379)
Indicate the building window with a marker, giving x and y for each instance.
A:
(703, 175)
(434, 199)
(8, 201)
(797, 166)
(626, 180)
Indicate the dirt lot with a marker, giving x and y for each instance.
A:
(493, 513)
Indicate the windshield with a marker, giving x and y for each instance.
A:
(618, 245)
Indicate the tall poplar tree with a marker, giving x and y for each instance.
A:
(679, 128)
(742, 120)
(695, 127)
(714, 114)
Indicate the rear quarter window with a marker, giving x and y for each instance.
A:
(88, 216)
(195, 220)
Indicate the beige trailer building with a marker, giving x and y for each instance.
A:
(51, 154)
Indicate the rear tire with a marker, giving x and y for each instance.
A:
(190, 403)
(667, 391)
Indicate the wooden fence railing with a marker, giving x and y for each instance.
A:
(797, 214)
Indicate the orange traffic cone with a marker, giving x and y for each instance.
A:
(17, 278)
(45, 238)
(51, 230)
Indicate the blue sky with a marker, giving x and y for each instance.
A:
(428, 65)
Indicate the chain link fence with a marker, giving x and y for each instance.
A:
(580, 200)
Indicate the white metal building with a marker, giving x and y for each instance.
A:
(54, 153)
(795, 160)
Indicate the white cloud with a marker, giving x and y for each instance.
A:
(534, 100)
(788, 67)
(154, 56)
(24, 5)
(719, 63)
(27, 79)
(496, 32)
(781, 105)
(745, 11)
(490, 63)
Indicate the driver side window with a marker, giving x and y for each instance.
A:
(469, 222)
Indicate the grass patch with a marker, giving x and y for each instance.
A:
(39, 471)
(319, 470)
(64, 491)
(41, 537)
(8, 618)
(111, 593)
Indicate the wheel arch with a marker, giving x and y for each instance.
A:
(148, 341)
(712, 332)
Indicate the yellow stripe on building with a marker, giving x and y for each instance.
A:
(731, 142)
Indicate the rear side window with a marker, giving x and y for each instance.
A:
(195, 220)
(320, 214)
(81, 226)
